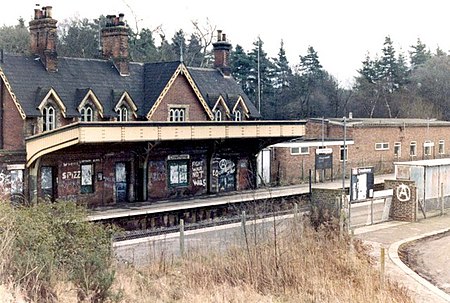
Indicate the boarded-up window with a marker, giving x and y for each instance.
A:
(87, 178)
(178, 172)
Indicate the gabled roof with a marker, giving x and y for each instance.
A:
(27, 75)
(213, 84)
(28, 82)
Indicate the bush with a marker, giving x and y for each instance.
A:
(54, 240)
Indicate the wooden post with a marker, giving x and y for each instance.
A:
(371, 211)
(442, 199)
(243, 222)
(182, 237)
(296, 211)
(382, 266)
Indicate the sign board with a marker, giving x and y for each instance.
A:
(320, 151)
(324, 161)
(361, 183)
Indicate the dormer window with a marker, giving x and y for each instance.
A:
(87, 114)
(218, 115)
(49, 118)
(123, 114)
(237, 115)
(177, 114)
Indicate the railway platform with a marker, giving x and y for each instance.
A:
(165, 206)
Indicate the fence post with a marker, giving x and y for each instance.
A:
(442, 199)
(382, 264)
(295, 211)
(243, 222)
(182, 237)
(371, 211)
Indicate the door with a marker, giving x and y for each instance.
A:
(263, 163)
(121, 185)
(48, 182)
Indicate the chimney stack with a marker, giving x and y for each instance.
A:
(222, 50)
(115, 43)
(44, 37)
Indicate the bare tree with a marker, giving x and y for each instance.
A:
(205, 34)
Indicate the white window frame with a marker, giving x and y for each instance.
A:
(237, 115)
(441, 149)
(218, 115)
(177, 114)
(49, 115)
(413, 144)
(427, 150)
(87, 114)
(300, 150)
(382, 146)
(123, 114)
(398, 145)
(341, 153)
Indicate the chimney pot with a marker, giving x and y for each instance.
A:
(37, 13)
(219, 35)
(49, 11)
(121, 19)
(224, 37)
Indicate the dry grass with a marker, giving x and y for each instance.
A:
(299, 264)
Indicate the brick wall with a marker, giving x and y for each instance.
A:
(181, 93)
(402, 210)
(13, 125)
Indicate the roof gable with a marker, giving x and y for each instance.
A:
(87, 95)
(125, 99)
(221, 101)
(181, 70)
(50, 93)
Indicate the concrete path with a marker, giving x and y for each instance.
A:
(391, 235)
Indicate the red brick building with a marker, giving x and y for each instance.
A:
(370, 142)
(109, 130)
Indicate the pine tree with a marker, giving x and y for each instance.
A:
(142, 46)
(419, 54)
(283, 72)
(240, 67)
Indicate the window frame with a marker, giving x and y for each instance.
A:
(218, 115)
(413, 144)
(123, 114)
(342, 153)
(382, 146)
(399, 146)
(86, 181)
(441, 149)
(87, 114)
(181, 168)
(237, 115)
(49, 116)
(427, 148)
(177, 114)
(300, 151)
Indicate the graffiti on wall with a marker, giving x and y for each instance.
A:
(156, 172)
(198, 173)
(223, 174)
(5, 181)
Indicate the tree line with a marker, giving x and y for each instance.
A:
(391, 84)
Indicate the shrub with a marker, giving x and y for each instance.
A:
(54, 240)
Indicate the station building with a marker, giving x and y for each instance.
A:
(107, 131)
(370, 142)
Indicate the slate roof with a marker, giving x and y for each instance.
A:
(213, 84)
(75, 76)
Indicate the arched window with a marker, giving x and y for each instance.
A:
(123, 113)
(237, 115)
(177, 114)
(49, 118)
(218, 115)
(87, 114)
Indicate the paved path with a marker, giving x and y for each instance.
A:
(391, 235)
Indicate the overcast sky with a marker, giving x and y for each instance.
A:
(341, 31)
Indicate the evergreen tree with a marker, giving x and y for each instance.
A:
(142, 46)
(240, 67)
(193, 54)
(15, 39)
(283, 72)
(79, 38)
(179, 47)
(419, 54)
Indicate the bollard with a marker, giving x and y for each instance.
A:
(182, 237)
